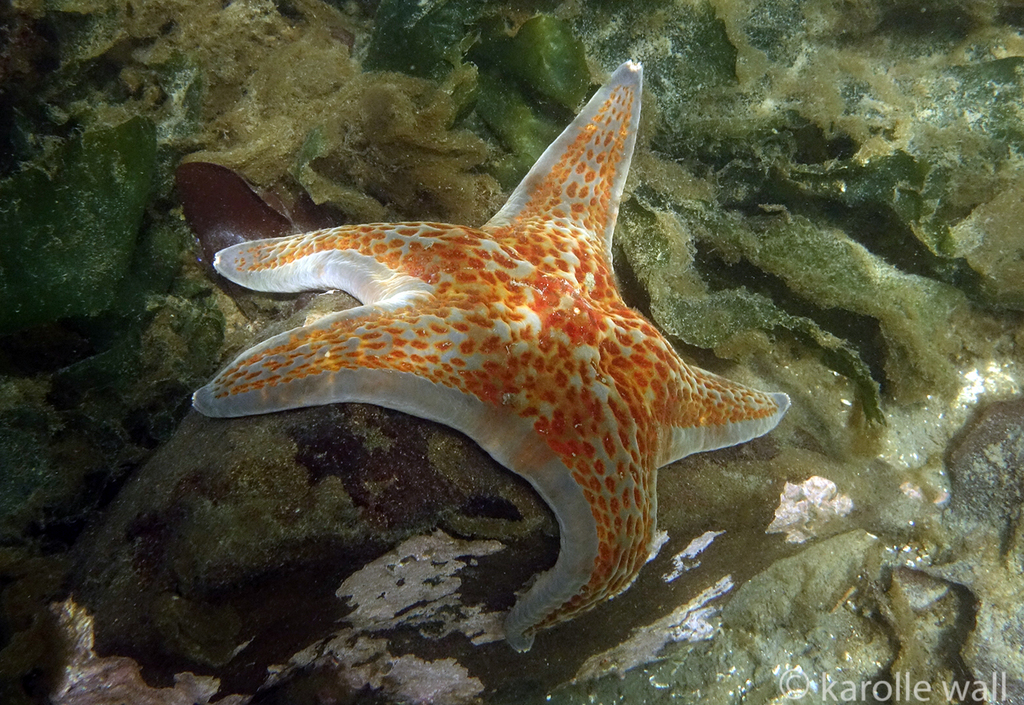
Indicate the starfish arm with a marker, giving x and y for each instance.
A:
(720, 413)
(373, 262)
(580, 176)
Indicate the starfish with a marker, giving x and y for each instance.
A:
(515, 334)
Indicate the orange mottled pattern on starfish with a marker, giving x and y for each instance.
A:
(579, 186)
(411, 248)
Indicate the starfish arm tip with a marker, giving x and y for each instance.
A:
(580, 177)
(781, 400)
(628, 72)
(518, 640)
(204, 402)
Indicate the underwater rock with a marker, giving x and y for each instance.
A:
(986, 466)
(788, 629)
(993, 650)
(264, 550)
(84, 401)
(929, 617)
(418, 584)
(796, 611)
(88, 679)
(227, 549)
(993, 570)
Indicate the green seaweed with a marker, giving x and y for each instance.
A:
(425, 39)
(71, 228)
(896, 181)
(521, 130)
(545, 55)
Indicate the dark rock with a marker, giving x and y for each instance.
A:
(382, 548)
(226, 550)
(931, 619)
(986, 466)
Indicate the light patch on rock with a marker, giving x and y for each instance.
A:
(417, 584)
(913, 491)
(359, 661)
(689, 622)
(88, 679)
(659, 539)
(685, 559)
(806, 508)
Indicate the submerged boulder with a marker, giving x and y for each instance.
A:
(367, 544)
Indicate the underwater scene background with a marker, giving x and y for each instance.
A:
(826, 199)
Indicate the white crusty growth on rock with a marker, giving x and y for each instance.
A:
(805, 508)
(418, 584)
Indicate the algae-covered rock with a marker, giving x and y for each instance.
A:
(181, 79)
(684, 308)
(929, 617)
(991, 241)
(70, 230)
(858, 174)
(224, 554)
(824, 266)
(689, 64)
(375, 146)
(986, 467)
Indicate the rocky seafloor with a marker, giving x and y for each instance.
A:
(825, 200)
